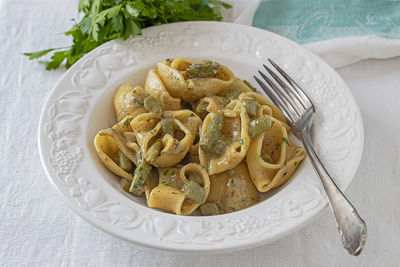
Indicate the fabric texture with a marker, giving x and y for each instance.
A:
(340, 31)
(318, 20)
(38, 229)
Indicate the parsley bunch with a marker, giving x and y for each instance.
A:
(105, 20)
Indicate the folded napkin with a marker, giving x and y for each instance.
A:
(340, 31)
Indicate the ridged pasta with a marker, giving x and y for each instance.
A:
(128, 101)
(111, 142)
(209, 104)
(148, 130)
(265, 108)
(156, 88)
(232, 190)
(172, 73)
(169, 194)
(239, 85)
(235, 132)
(272, 157)
(197, 140)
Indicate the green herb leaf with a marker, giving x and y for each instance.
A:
(127, 122)
(56, 60)
(137, 101)
(131, 28)
(284, 139)
(265, 159)
(39, 54)
(117, 25)
(131, 10)
(83, 5)
(167, 184)
(85, 25)
(218, 2)
(103, 21)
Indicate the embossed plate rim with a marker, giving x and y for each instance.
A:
(283, 213)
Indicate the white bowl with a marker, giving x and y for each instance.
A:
(80, 104)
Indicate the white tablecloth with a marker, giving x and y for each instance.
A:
(38, 229)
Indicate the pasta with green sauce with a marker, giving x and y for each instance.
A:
(196, 140)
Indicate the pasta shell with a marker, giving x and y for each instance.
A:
(239, 85)
(266, 107)
(148, 130)
(172, 75)
(209, 104)
(155, 87)
(235, 133)
(169, 196)
(215, 141)
(128, 101)
(271, 157)
(118, 139)
(233, 190)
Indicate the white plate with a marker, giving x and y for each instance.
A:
(80, 104)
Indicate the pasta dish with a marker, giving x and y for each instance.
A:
(197, 140)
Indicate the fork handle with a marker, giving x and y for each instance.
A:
(352, 228)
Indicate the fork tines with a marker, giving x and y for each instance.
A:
(288, 96)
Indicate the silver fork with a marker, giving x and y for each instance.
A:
(299, 110)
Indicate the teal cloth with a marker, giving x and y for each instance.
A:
(306, 21)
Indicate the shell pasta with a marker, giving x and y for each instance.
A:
(196, 140)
